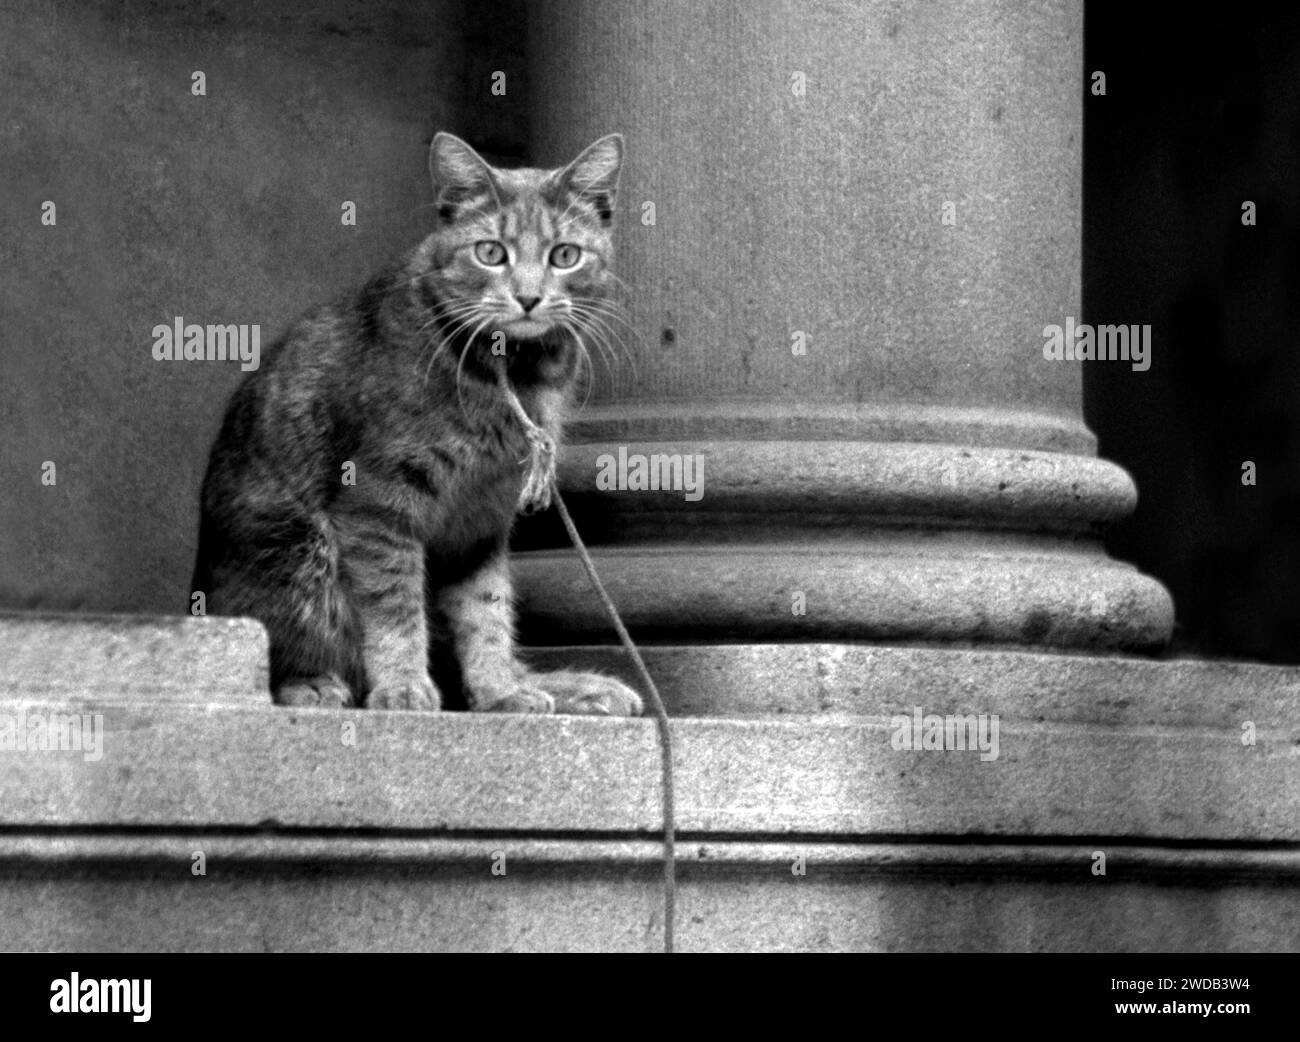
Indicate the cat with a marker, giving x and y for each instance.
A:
(360, 495)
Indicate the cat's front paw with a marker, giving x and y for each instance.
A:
(589, 694)
(417, 693)
(523, 698)
(324, 692)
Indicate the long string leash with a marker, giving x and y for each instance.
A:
(661, 718)
(540, 489)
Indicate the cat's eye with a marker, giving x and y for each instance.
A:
(490, 252)
(565, 255)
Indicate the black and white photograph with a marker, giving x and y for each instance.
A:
(650, 476)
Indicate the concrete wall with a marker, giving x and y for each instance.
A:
(223, 208)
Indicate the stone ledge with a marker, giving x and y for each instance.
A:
(146, 658)
(313, 845)
(224, 661)
(872, 679)
(268, 767)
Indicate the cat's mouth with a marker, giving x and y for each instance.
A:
(526, 328)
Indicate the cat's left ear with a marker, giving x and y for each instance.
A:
(593, 176)
(460, 175)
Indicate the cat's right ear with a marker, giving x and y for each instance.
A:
(460, 176)
(593, 176)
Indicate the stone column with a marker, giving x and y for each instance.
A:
(864, 216)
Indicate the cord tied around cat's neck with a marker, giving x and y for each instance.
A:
(536, 493)
(539, 490)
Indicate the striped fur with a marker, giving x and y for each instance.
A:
(361, 492)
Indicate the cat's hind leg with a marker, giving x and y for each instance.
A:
(284, 573)
(326, 691)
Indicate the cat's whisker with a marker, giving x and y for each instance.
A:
(457, 316)
(448, 312)
(601, 316)
(446, 308)
(615, 337)
(611, 309)
(602, 346)
(582, 321)
(601, 342)
(448, 320)
(460, 319)
(585, 355)
(469, 343)
(456, 327)
(434, 333)
(433, 357)
(591, 372)
(593, 318)
(611, 317)
(596, 325)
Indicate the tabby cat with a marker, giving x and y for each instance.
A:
(360, 495)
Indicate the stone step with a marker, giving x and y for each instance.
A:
(143, 658)
(223, 767)
(801, 824)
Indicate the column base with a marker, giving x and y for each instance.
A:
(842, 540)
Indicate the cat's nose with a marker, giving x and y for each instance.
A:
(528, 303)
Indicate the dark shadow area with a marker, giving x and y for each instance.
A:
(1201, 114)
